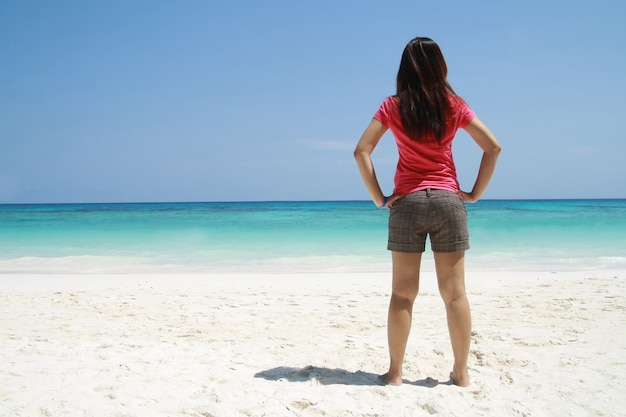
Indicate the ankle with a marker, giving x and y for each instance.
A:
(460, 376)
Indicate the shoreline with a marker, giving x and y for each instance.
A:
(543, 344)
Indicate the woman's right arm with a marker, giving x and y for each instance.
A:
(491, 149)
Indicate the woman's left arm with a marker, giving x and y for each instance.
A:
(362, 154)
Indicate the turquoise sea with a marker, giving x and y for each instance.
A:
(335, 236)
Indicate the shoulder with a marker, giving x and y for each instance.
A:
(457, 102)
(390, 102)
(461, 110)
(388, 108)
(389, 105)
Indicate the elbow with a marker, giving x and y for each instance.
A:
(494, 150)
(359, 153)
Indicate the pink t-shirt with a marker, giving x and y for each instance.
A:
(425, 164)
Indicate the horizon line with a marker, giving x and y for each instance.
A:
(291, 201)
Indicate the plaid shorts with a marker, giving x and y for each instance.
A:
(440, 214)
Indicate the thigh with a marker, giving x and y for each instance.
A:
(406, 273)
(450, 268)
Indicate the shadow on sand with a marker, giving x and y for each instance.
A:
(327, 376)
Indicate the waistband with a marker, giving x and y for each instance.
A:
(434, 191)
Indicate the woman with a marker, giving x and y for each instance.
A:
(424, 116)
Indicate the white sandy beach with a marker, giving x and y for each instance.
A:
(544, 344)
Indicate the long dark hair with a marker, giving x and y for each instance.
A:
(422, 90)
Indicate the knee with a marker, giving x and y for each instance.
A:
(450, 295)
(403, 299)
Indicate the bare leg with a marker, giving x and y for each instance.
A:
(451, 278)
(405, 286)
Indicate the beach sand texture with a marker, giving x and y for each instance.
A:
(544, 344)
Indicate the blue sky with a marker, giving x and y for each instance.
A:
(144, 100)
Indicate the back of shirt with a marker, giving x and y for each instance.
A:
(425, 163)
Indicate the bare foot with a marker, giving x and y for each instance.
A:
(387, 379)
(462, 379)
